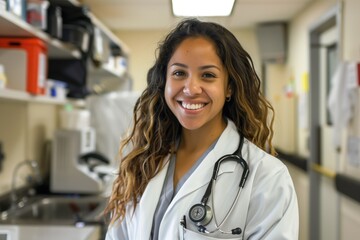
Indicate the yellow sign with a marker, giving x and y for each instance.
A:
(305, 82)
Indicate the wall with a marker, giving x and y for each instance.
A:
(298, 63)
(350, 210)
(247, 38)
(280, 94)
(143, 45)
(351, 52)
(24, 129)
(12, 135)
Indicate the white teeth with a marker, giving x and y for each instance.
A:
(192, 106)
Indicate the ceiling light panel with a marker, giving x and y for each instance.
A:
(202, 8)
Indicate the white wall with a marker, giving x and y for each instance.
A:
(247, 39)
(24, 128)
(279, 84)
(350, 210)
(298, 62)
(143, 45)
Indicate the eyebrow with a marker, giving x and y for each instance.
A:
(202, 67)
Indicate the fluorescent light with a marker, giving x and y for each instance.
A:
(202, 8)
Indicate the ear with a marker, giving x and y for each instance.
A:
(228, 92)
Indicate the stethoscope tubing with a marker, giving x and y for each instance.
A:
(218, 226)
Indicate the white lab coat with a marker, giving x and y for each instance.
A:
(267, 207)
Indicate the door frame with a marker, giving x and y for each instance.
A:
(330, 19)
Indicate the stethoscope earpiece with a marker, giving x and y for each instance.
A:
(236, 231)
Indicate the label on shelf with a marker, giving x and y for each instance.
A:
(42, 70)
(14, 61)
(3, 78)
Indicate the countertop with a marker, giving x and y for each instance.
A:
(40, 232)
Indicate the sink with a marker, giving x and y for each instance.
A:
(57, 210)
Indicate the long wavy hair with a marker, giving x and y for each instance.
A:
(156, 129)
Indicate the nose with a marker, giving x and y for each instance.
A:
(192, 86)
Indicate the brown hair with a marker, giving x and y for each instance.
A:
(156, 129)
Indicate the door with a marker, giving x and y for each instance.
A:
(324, 199)
(329, 157)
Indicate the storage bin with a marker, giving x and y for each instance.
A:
(74, 119)
(26, 62)
(36, 13)
(17, 7)
(76, 35)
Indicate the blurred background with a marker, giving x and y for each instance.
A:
(71, 71)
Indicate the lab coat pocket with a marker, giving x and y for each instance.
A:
(185, 234)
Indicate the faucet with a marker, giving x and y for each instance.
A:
(34, 166)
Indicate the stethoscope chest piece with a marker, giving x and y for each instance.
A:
(200, 214)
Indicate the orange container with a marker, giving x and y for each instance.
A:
(35, 62)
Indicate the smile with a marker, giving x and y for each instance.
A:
(192, 106)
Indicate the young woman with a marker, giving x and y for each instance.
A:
(198, 167)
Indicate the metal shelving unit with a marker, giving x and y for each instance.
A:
(21, 96)
(13, 26)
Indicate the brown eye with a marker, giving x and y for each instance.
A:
(178, 73)
(208, 75)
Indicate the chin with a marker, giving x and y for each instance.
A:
(191, 125)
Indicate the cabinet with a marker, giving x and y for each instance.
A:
(28, 121)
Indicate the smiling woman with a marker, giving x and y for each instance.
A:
(200, 126)
(197, 85)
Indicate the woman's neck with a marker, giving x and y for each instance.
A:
(202, 138)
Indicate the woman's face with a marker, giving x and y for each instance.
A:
(196, 84)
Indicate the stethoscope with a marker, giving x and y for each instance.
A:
(201, 214)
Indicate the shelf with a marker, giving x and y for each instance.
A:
(113, 38)
(13, 26)
(16, 95)
(104, 72)
(106, 31)
(66, 2)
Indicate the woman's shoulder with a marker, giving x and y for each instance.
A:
(269, 177)
(262, 162)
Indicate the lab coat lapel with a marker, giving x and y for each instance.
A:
(149, 202)
(226, 144)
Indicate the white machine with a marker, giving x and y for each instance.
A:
(70, 171)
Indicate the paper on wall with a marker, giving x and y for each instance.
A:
(342, 98)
